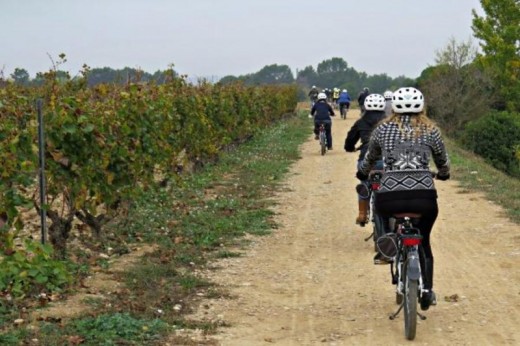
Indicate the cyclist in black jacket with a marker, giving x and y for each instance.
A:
(361, 130)
(322, 112)
(361, 99)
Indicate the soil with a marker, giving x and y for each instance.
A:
(313, 281)
(97, 286)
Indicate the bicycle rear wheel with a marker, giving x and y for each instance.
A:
(410, 306)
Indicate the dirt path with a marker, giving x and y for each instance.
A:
(312, 282)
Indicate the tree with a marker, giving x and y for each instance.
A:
(273, 74)
(456, 54)
(332, 72)
(307, 76)
(20, 76)
(499, 32)
(334, 65)
(378, 83)
(457, 90)
(228, 79)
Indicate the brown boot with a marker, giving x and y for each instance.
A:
(362, 218)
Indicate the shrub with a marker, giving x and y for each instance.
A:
(496, 137)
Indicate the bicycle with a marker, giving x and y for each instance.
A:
(343, 109)
(323, 139)
(404, 249)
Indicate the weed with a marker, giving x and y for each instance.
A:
(476, 175)
(227, 254)
(190, 282)
(32, 270)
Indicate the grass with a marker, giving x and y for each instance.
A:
(476, 175)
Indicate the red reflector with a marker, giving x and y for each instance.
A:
(375, 186)
(411, 241)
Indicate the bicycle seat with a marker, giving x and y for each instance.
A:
(410, 215)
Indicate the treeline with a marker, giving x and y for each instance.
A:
(95, 76)
(329, 73)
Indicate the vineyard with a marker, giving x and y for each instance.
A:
(104, 145)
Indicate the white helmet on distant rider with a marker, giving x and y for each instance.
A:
(344, 90)
(407, 100)
(322, 96)
(388, 95)
(375, 102)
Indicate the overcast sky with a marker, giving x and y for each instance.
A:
(214, 38)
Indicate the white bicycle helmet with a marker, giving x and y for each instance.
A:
(388, 95)
(407, 100)
(375, 102)
(322, 96)
(344, 90)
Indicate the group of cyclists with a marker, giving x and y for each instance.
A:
(332, 95)
(399, 139)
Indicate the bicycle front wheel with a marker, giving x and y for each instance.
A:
(379, 229)
(323, 143)
(410, 306)
(371, 215)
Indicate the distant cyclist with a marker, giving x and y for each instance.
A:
(335, 96)
(322, 112)
(406, 141)
(361, 99)
(313, 95)
(344, 100)
(388, 102)
(328, 92)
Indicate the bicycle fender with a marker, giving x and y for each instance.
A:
(413, 269)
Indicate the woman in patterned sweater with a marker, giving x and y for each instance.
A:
(406, 141)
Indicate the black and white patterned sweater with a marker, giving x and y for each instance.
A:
(406, 160)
